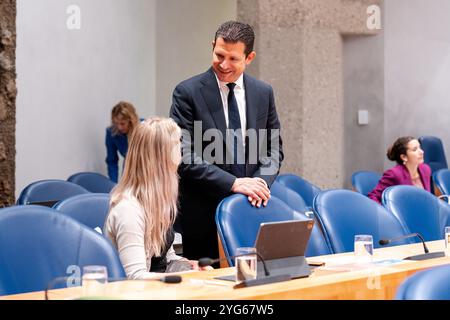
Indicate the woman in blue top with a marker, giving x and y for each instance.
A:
(123, 120)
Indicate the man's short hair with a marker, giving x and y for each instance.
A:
(233, 31)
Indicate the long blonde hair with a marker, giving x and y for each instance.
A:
(150, 175)
(127, 112)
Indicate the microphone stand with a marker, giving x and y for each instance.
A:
(203, 262)
(419, 257)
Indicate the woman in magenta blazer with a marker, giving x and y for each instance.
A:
(410, 169)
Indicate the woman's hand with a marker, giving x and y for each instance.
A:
(194, 264)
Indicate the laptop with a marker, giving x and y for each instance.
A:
(282, 245)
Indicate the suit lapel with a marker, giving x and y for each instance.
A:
(251, 112)
(213, 100)
(250, 102)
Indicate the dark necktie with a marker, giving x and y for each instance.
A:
(234, 123)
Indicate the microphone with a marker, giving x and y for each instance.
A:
(425, 256)
(387, 241)
(204, 262)
(169, 279)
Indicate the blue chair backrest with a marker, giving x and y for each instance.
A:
(49, 190)
(365, 181)
(430, 284)
(317, 244)
(304, 188)
(288, 196)
(38, 244)
(238, 221)
(89, 209)
(93, 182)
(444, 215)
(441, 179)
(434, 154)
(417, 209)
(345, 213)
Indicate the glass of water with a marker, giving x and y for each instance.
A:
(447, 241)
(363, 248)
(245, 263)
(94, 280)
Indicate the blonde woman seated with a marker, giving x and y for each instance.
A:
(144, 203)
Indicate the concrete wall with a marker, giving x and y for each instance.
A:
(7, 100)
(310, 51)
(70, 79)
(301, 55)
(363, 90)
(185, 30)
(417, 70)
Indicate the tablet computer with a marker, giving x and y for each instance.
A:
(282, 245)
(283, 239)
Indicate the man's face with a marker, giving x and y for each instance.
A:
(229, 60)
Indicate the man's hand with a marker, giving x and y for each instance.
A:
(254, 188)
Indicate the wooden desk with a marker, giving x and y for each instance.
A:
(331, 282)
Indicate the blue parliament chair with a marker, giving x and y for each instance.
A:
(434, 154)
(38, 244)
(93, 182)
(303, 187)
(288, 196)
(417, 210)
(238, 221)
(89, 209)
(441, 180)
(365, 181)
(317, 244)
(430, 284)
(344, 214)
(50, 191)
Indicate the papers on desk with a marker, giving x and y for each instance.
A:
(388, 262)
(348, 263)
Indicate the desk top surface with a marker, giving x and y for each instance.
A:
(340, 278)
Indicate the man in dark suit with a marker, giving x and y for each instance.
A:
(238, 111)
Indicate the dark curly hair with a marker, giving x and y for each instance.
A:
(399, 147)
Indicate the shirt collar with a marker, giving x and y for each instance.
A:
(239, 82)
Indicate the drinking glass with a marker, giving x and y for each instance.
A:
(447, 241)
(363, 248)
(245, 263)
(94, 280)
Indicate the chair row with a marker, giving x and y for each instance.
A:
(53, 245)
(434, 156)
(338, 214)
(365, 181)
(49, 192)
(39, 244)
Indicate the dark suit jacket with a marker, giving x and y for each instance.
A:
(203, 185)
(400, 175)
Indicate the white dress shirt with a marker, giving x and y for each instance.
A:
(239, 93)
